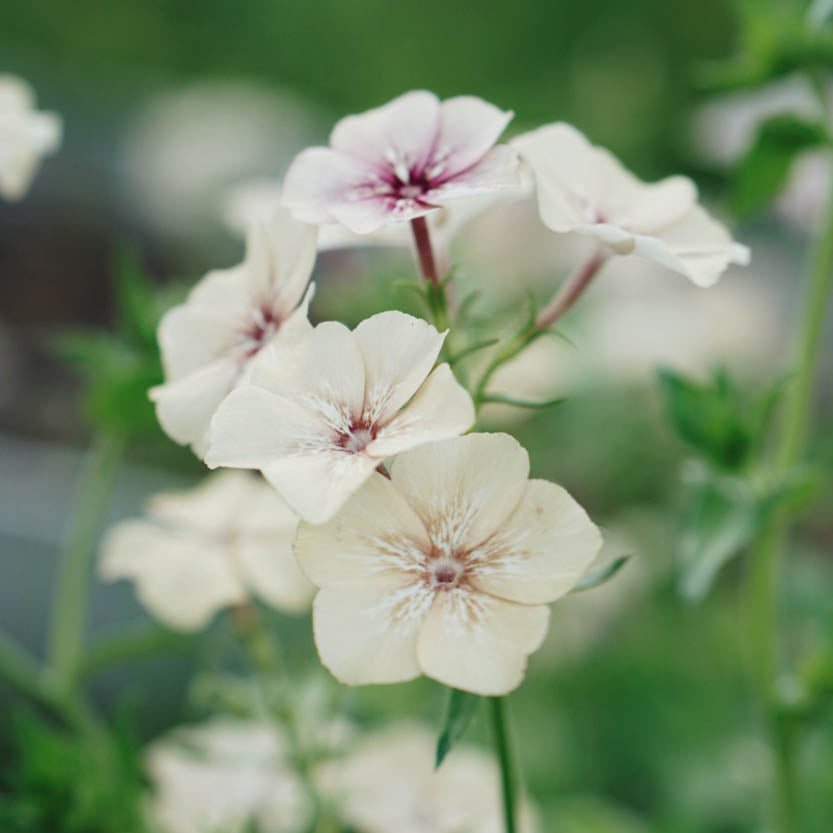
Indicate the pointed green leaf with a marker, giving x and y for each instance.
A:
(472, 348)
(596, 577)
(461, 708)
(500, 399)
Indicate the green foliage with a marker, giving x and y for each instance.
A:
(762, 172)
(460, 710)
(119, 368)
(60, 782)
(594, 578)
(715, 419)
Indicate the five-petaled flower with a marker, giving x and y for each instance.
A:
(585, 189)
(402, 161)
(446, 569)
(319, 417)
(210, 343)
(208, 548)
(25, 136)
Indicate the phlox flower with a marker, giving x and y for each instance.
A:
(446, 569)
(389, 783)
(210, 343)
(201, 550)
(25, 136)
(318, 418)
(402, 161)
(585, 189)
(224, 775)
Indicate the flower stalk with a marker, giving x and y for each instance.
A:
(570, 291)
(766, 558)
(500, 727)
(70, 610)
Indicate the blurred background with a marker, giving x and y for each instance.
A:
(635, 717)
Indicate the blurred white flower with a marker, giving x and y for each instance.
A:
(585, 189)
(210, 343)
(224, 775)
(208, 548)
(402, 161)
(25, 136)
(319, 419)
(389, 783)
(446, 569)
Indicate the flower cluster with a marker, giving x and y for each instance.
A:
(25, 136)
(432, 552)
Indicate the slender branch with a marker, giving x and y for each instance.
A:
(91, 500)
(500, 725)
(425, 252)
(570, 291)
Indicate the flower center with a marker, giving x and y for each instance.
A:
(357, 437)
(445, 572)
(261, 329)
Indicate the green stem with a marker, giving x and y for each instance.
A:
(765, 563)
(91, 500)
(21, 670)
(500, 725)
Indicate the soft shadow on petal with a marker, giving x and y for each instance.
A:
(498, 169)
(366, 630)
(469, 126)
(477, 643)
(454, 489)
(540, 551)
(399, 351)
(442, 408)
(376, 531)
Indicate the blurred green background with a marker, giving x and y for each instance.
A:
(636, 716)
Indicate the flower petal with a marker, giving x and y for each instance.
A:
(271, 571)
(185, 406)
(498, 169)
(469, 126)
(280, 253)
(477, 643)
(377, 531)
(180, 579)
(399, 351)
(442, 408)
(366, 630)
(403, 131)
(540, 551)
(463, 488)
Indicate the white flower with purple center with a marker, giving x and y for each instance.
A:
(585, 189)
(446, 569)
(319, 418)
(402, 161)
(210, 343)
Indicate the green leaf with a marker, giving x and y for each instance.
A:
(762, 172)
(500, 399)
(472, 348)
(461, 708)
(596, 577)
(707, 416)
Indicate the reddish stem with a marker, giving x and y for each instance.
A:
(425, 253)
(570, 291)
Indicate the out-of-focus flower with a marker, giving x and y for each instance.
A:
(402, 161)
(210, 343)
(446, 569)
(389, 783)
(25, 136)
(224, 776)
(187, 145)
(214, 546)
(319, 419)
(585, 189)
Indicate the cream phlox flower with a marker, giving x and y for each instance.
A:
(389, 783)
(210, 343)
(318, 419)
(446, 569)
(585, 189)
(227, 776)
(201, 550)
(401, 161)
(25, 136)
